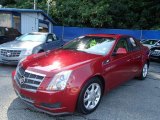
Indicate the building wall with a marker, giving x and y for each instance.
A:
(29, 22)
(41, 17)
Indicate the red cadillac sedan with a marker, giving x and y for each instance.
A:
(75, 76)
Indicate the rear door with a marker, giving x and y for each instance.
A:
(136, 55)
(120, 65)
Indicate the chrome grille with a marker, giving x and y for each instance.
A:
(155, 53)
(10, 53)
(28, 80)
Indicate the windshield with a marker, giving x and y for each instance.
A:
(150, 42)
(32, 37)
(93, 45)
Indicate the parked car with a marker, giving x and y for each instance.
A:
(75, 76)
(27, 44)
(8, 34)
(155, 53)
(151, 43)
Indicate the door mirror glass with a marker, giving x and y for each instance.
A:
(121, 51)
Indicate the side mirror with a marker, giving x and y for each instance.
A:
(158, 44)
(121, 51)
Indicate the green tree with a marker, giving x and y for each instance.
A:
(6, 2)
(127, 14)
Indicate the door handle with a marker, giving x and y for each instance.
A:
(106, 62)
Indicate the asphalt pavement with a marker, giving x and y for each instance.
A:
(134, 100)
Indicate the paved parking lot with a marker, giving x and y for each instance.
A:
(134, 100)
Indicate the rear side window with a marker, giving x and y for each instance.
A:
(133, 44)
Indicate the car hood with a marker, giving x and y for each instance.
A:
(20, 44)
(58, 60)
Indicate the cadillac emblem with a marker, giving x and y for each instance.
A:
(8, 54)
(22, 80)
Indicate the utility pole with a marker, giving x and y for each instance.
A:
(35, 4)
(48, 6)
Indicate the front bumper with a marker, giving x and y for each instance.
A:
(53, 102)
(154, 57)
(11, 60)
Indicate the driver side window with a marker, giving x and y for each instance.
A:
(50, 38)
(122, 43)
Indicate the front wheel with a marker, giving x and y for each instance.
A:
(90, 96)
(144, 72)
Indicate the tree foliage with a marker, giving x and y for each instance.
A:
(127, 14)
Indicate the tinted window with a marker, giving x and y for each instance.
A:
(2, 33)
(50, 38)
(149, 42)
(133, 44)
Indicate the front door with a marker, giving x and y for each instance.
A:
(51, 42)
(120, 65)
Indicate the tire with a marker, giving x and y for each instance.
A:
(144, 72)
(90, 96)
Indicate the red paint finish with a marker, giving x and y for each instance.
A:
(113, 68)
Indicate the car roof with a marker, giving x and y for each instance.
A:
(39, 33)
(106, 35)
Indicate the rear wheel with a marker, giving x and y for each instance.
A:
(144, 72)
(90, 96)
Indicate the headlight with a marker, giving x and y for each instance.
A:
(59, 81)
(28, 52)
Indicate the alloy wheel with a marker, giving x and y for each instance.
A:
(145, 70)
(92, 96)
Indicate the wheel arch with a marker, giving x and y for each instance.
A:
(100, 77)
(102, 80)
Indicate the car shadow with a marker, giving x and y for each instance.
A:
(19, 110)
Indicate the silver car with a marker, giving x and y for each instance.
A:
(27, 44)
(151, 43)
